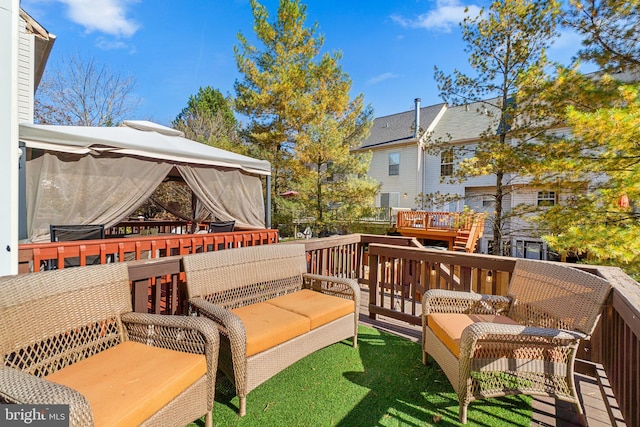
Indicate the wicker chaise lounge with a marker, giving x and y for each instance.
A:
(270, 312)
(70, 337)
(524, 343)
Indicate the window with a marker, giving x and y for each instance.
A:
(394, 164)
(546, 198)
(389, 200)
(488, 201)
(529, 249)
(446, 162)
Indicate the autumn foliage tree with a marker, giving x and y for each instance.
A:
(507, 45)
(300, 117)
(602, 222)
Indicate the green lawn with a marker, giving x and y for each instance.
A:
(381, 383)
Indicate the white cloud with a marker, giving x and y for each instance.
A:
(382, 77)
(106, 44)
(105, 16)
(446, 15)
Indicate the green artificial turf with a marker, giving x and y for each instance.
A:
(381, 383)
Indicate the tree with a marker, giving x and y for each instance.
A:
(506, 46)
(208, 118)
(603, 223)
(604, 115)
(329, 176)
(80, 92)
(297, 102)
(610, 31)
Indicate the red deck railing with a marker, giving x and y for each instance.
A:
(39, 256)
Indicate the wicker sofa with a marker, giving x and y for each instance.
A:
(270, 312)
(70, 337)
(524, 343)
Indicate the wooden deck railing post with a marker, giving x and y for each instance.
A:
(141, 296)
(373, 282)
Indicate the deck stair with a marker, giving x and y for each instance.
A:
(466, 240)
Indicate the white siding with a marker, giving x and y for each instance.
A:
(405, 182)
(26, 46)
(433, 182)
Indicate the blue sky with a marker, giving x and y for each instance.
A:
(172, 48)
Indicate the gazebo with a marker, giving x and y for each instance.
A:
(100, 175)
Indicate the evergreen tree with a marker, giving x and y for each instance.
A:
(300, 116)
(610, 31)
(506, 44)
(208, 118)
(603, 112)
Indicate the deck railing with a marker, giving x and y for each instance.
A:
(396, 271)
(40, 256)
(438, 220)
(398, 277)
(154, 261)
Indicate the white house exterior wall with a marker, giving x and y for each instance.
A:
(26, 49)
(404, 182)
(432, 180)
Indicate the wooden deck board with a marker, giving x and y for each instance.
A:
(547, 411)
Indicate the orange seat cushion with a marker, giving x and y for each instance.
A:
(267, 326)
(448, 327)
(128, 383)
(318, 307)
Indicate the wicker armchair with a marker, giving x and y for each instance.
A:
(63, 328)
(524, 343)
(222, 283)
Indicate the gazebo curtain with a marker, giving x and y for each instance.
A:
(229, 194)
(82, 189)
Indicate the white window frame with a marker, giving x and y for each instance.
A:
(393, 199)
(446, 162)
(394, 163)
(546, 199)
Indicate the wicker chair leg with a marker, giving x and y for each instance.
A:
(582, 419)
(463, 414)
(243, 406)
(425, 357)
(208, 420)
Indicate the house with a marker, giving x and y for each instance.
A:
(394, 143)
(460, 128)
(35, 44)
(406, 169)
(24, 49)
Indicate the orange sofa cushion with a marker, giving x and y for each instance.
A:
(267, 326)
(448, 327)
(318, 307)
(128, 383)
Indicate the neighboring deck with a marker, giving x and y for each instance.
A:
(460, 231)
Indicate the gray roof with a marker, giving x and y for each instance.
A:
(464, 122)
(398, 128)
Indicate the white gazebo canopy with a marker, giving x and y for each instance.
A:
(99, 175)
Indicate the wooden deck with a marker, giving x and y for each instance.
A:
(459, 231)
(546, 411)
